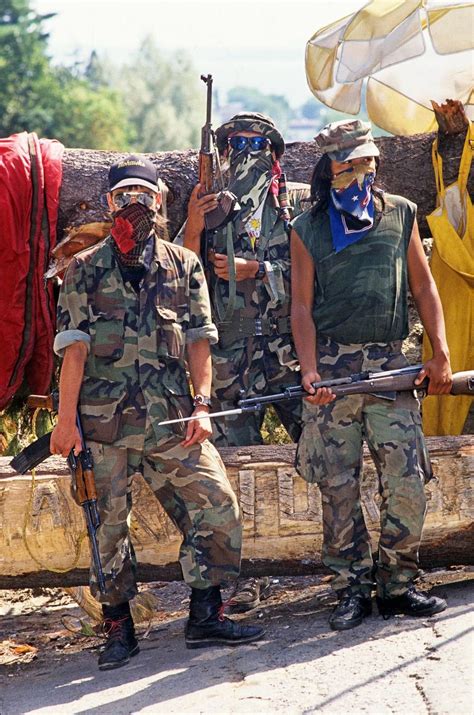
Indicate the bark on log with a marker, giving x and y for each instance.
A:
(405, 169)
(282, 518)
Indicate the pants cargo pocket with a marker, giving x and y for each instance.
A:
(311, 460)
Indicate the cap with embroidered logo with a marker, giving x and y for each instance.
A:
(133, 171)
(346, 139)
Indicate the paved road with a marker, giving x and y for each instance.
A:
(402, 666)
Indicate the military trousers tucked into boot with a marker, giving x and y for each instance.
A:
(192, 486)
(207, 626)
(330, 454)
(119, 631)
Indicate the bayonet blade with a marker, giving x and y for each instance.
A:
(211, 415)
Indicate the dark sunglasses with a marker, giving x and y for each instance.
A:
(238, 143)
(123, 200)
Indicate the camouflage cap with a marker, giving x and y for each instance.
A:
(250, 122)
(346, 139)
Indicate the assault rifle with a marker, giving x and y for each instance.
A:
(82, 471)
(383, 384)
(210, 174)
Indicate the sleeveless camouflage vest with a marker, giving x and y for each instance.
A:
(360, 294)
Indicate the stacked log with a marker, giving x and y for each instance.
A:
(43, 528)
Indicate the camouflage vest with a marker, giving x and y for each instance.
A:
(360, 294)
(137, 340)
(268, 299)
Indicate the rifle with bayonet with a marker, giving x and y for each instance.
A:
(210, 176)
(381, 384)
(82, 471)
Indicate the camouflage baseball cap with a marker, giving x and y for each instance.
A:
(250, 122)
(346, 139)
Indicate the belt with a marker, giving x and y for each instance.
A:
(249, 327)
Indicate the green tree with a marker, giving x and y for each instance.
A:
(164, 100)
(253, 100)
(25, 74)
(53, 102)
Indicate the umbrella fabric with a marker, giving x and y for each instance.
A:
(452, 265)
(410, 51)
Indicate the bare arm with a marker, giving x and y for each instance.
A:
(302, 324)
(428, 304)
(200, 368)
(65, 435)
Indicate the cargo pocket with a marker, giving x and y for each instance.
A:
(170, 333)
(101, 406)
(107, 335)
(330, 445)
(311, 459)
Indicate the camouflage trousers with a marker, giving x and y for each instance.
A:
(330, 453)
(253, 368)
(192, 486)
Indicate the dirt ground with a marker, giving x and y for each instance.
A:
(37, 637)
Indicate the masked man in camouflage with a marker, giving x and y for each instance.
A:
(249, 283)
(354, 255)
(130, 310)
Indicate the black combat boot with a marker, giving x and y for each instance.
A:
(411, 603)
(121, 643)
(207, 625)
(350, 611)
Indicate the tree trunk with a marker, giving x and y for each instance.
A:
(42, 527)
(405, 169)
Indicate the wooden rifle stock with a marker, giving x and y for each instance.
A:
(208, 173)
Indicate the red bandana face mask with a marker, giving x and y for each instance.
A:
(132, 225)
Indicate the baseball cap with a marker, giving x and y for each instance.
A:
(133, 170)
(346, 139)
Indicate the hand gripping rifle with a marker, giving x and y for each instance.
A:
(82, 471)
(383, 384)
(210, 174)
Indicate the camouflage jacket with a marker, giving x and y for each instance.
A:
(133, 338)
(267, 299)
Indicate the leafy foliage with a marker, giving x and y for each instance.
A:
(53, 102)
(275, 105)
(273, 431)
(163, 98)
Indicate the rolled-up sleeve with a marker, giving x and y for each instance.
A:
(73, 311)
(200, 323)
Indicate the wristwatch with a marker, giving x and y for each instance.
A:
(261, 273)
(201, 400)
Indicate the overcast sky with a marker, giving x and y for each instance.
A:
(258, 43)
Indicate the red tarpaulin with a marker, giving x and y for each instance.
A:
(30, 179)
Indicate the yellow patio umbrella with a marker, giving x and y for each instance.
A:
(409, 51)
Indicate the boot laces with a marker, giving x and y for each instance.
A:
(220, 613)
(113, 628)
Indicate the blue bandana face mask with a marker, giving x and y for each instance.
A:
(351, 209)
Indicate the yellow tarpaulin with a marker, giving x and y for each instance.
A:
(452, 265)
